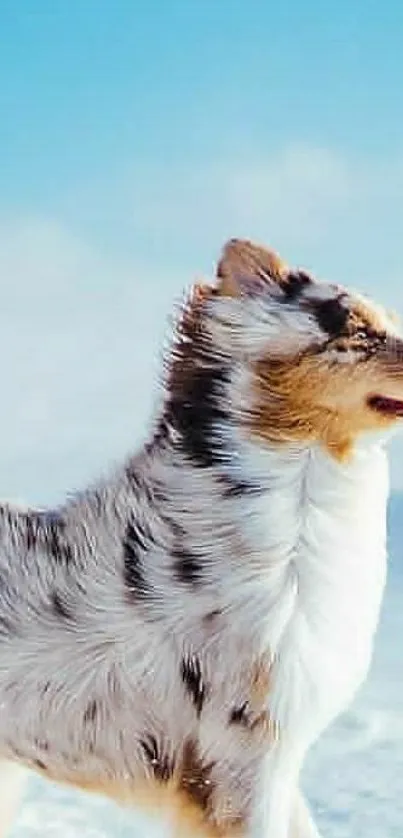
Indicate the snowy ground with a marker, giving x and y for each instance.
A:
(354, 777)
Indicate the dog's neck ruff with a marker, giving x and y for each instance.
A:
(295, 546)
(325, 523)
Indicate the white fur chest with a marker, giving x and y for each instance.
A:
(321, 535)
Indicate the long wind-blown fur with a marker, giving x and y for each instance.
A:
(179, 635)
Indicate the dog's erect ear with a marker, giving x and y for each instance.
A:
(246, 268)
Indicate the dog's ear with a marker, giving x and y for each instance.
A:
(248, 269)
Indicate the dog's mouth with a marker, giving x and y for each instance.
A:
(386, 406)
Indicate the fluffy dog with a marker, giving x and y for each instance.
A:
(179, 635)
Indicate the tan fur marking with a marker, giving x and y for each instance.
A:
(186, 797)
(243, 258)
(254, 716)
(364, 316)
(259, 695)
(298, 400)
(261, 679)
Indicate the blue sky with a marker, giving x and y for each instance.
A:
(136, 136)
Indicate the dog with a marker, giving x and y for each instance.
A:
(178, 635)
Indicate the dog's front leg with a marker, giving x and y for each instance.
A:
(289, 817)
(302, 825)
(279, 809)
(274, 798)
(12, 779)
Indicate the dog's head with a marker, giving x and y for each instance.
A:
(322, 364)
